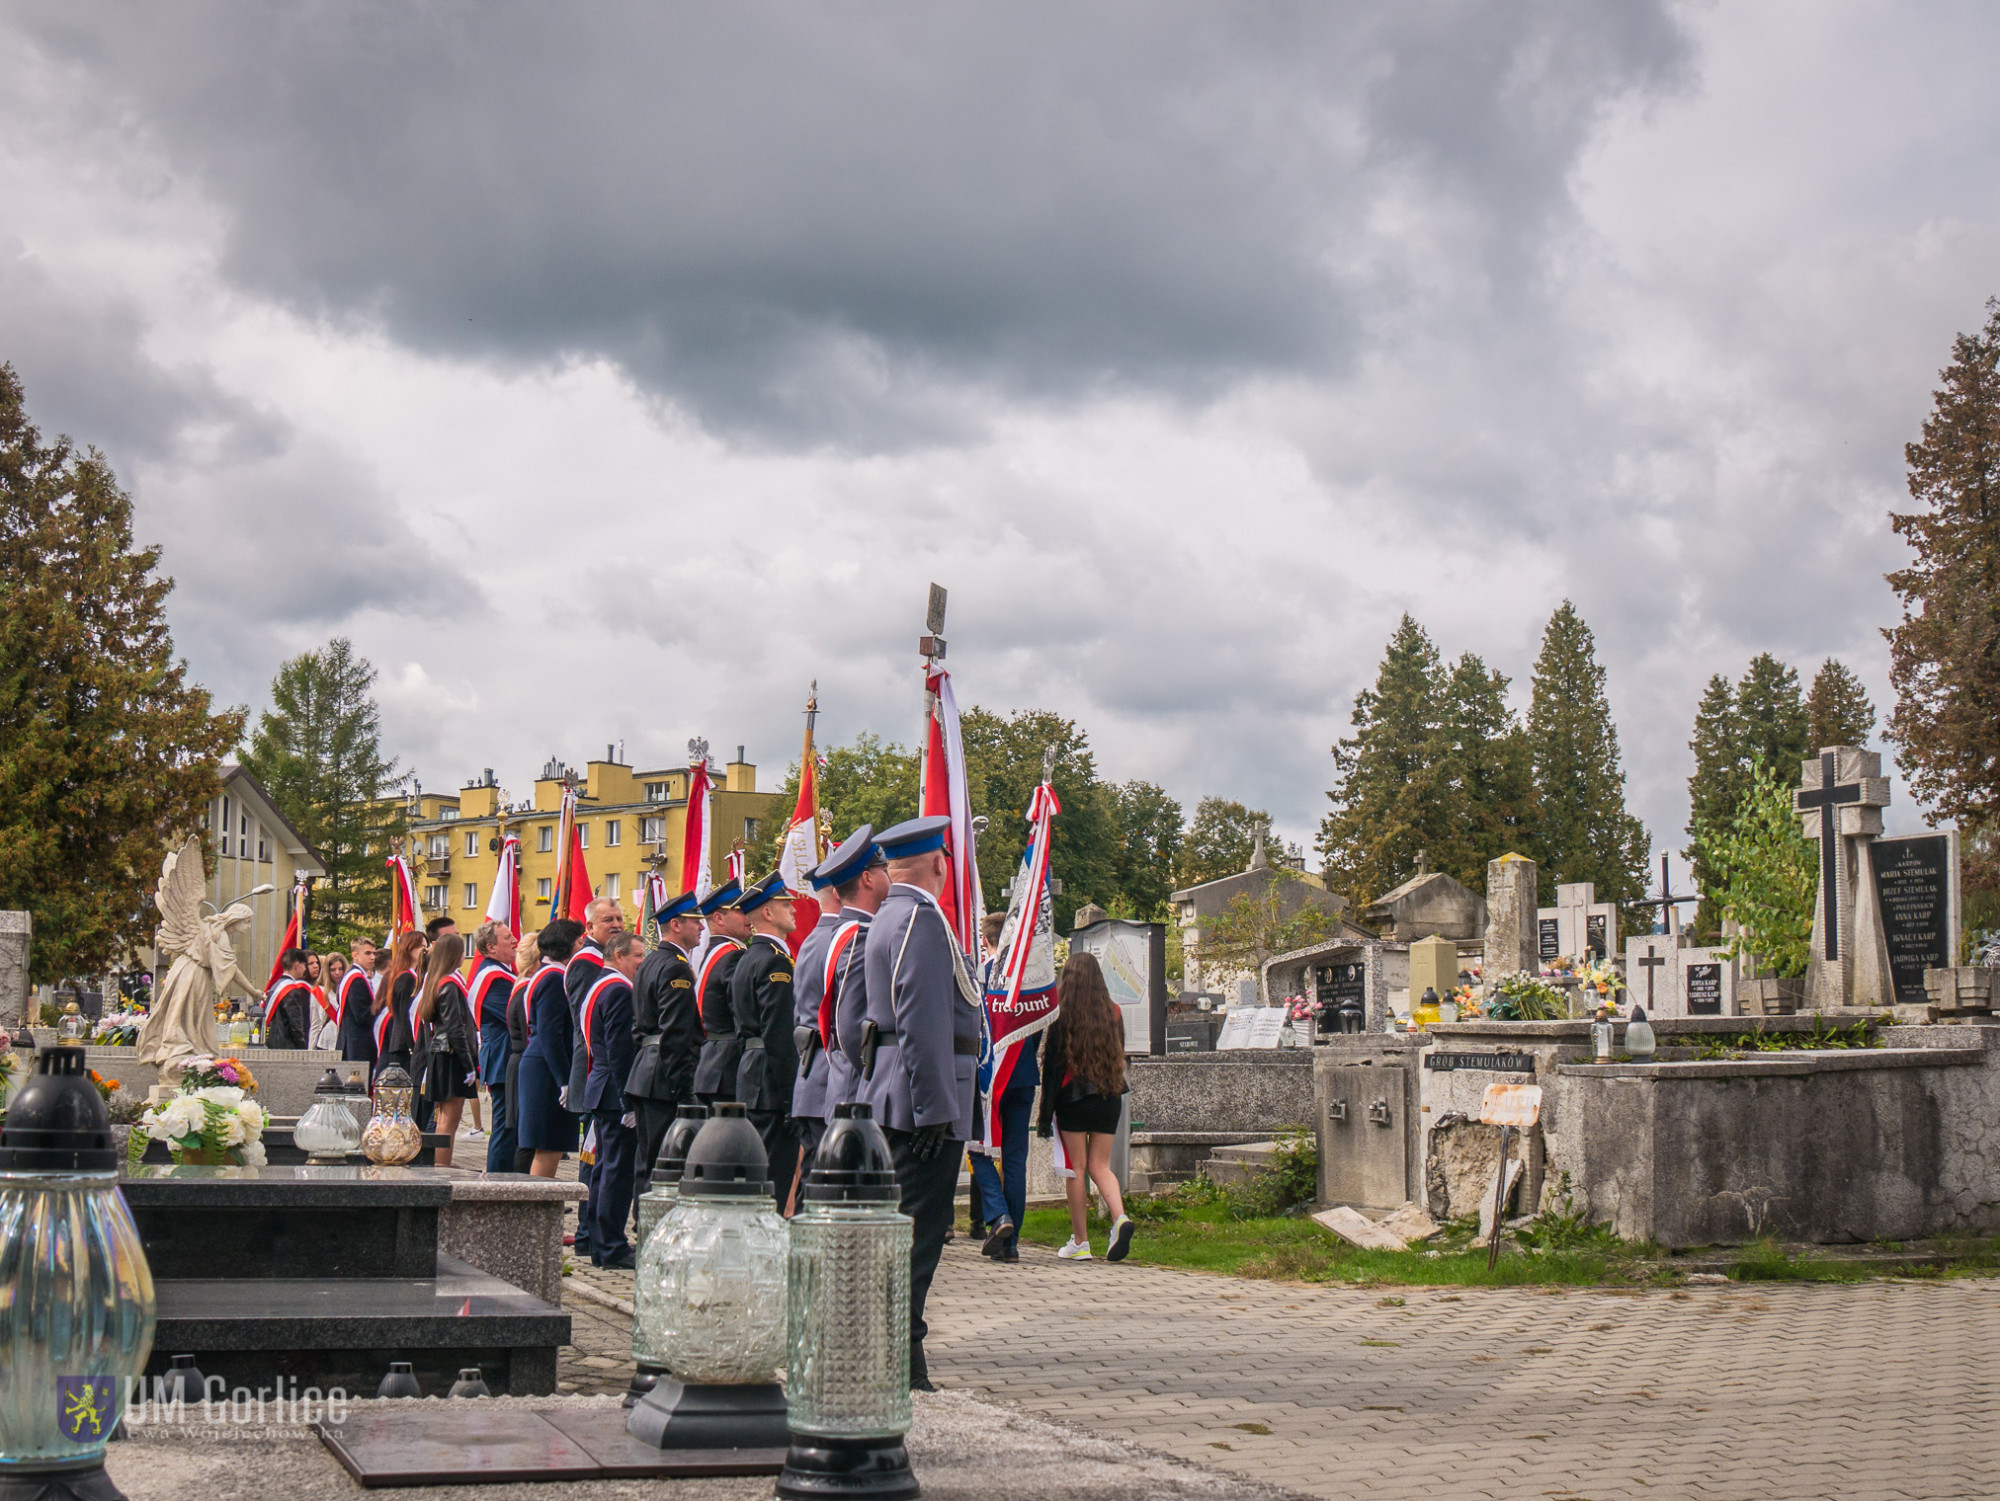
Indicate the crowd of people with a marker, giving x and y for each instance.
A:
(588, 1043)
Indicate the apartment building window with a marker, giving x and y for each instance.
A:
(440, 847)
(614, 831)
(545, 840)
(611, 890)
(583, 836)
(542, 891)
(656, 792)
(652, 831)
(472, 848)
(434, 897)
(472, 901)
(263, 848)
(750, 837)
(448, 815)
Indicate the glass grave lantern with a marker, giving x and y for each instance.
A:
(76, 1294)
(327, 1132)
(654, 1203)
(848, 1356)
(391, 1137)
(715, 1313)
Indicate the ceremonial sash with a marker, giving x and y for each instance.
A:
(561, 969)
(708, 968)
(589, 1008)
(278, 994)
(319, 1000)
(348, 981)
(829, 991)
(482, 984)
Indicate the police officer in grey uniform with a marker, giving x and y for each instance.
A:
(861, 881)
(809, 1106)
(728, 936)
(920, 1049)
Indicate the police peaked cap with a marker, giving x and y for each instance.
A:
(772, 888)
(687, 904)
(916, 836)
(724, 895)
(856, 853)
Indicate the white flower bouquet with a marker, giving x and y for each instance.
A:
(215, 1124)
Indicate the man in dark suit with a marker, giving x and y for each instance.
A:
(288, 1008)
(606, 1016)
(601, 918)
(666, 1032)
(760, 998)
(728, 936)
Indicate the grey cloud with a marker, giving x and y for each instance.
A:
(816, 223)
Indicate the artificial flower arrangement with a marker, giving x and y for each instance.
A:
(1526, 998)
(1299, 1009)
(119, 1030)
(211, 1119)
(1471, 1006)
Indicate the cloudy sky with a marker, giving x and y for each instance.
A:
(609, 372)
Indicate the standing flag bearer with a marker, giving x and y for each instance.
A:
(356, 1005)
(920, 1048)
(760, 999)
(728, 936)
(666, 1025)
(607, 1045)
(861, 881)
(802, 848)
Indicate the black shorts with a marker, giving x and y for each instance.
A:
(1095, 1113)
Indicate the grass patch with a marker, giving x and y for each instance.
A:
(1766, 1261)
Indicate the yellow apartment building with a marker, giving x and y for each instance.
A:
(632, 822)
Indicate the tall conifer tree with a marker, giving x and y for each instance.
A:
(1485, 771)
(108, 754)
(1586, 832)
(1712, 792)
(1837, 709)
(318, 752)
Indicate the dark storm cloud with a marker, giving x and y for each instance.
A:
(816, 227)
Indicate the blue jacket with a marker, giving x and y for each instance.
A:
(809, 977)
(548, 1021)
(492, 984)
(607, 1034)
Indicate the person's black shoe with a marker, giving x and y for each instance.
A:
(976, 1228)
(621, 1261)
(996, 1243)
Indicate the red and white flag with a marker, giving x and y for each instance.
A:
(407, 916)
(295, 933)
(573, 891)
(1020, 985)
(946, 791)
(694, 847)
(504, 906)
(802, 849)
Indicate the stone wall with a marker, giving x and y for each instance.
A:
(1263, 1091)
(285, 1077)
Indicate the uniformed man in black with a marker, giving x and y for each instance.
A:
(666, 1026)
(760, 995)
(728, 936)
(288, 1014)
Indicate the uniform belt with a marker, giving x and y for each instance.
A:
(961, 1047)
(753, 1042)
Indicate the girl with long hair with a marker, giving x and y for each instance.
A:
(1083, 1081)
(527, 960)
(444, 1047)
(396, 1005)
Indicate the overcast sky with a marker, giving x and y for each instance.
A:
(610, 372)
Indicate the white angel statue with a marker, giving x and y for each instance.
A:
(181, 1024)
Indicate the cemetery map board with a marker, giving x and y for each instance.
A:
(1913, 878)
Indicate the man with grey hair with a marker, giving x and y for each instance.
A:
(494, 948)
(601, 919)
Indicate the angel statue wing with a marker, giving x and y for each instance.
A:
(179, 901)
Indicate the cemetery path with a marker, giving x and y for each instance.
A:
(1778, 1390)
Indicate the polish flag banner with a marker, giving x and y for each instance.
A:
(504, 905)
(1021, 981)
(572, 890)
(694, 846)
(802, 849)
(409, 916)
(945, 790)
(295, 935)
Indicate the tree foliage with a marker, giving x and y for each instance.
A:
(108, 754)
(1837, 709)
(869, 780)
(1256, 926)
(1766, 874)
(1944, 656)
(1220, 839)
(318, 751)
(1762, 718)
(1586, 832)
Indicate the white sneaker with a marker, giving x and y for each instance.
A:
(1075, 1250)
(1121, 1239)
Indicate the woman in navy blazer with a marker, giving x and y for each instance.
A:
(542, 1124)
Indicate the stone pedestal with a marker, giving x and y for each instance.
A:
(1510, 917)
(16, 930)
(1840, 805)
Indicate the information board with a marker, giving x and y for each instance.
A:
(1123, 951)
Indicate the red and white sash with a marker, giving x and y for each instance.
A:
(722, 947)
(829, 990)
(589, 1007)
(482, 987)
(561, 969)
(278, 993)
(348, 981)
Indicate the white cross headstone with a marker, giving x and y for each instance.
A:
(1652, 973)
(1840, 806)
(1577, 926)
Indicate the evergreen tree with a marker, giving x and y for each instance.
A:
(1149, 847)
(1483, 767)
(1944, 657)
(1386, 808)
(1763, 718)
(1712, 792)
(318, 752)
(108, 754)
(1219, 841)
(1837, 708)
(1586, 833)
(1771, 721)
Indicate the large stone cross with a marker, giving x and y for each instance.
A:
(1840, 805)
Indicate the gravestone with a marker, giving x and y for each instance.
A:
(1916, 895)
(1840, 804)
(1510, 917)
(1578, 925)
(16, 929)
(1707, 984)
(1652, 973)
(1433, 966)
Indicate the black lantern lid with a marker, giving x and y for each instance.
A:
(727, 1159)
(329, 1083)
(56, 1122)
(853, 1165)
(1638, 1014)
(672, 1161)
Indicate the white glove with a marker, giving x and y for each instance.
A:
(562, 1097)
(629, 1120)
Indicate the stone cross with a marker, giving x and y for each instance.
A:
(1652, 970)
(1840, 805)
(16, 929)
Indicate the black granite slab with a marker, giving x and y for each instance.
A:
(344, 1333)
(288, 1222)
(465, 1444)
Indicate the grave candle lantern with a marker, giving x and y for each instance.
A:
(716, 1315)
(327, 1132)
(391, 1138)
(653, 1206)
(848, 1371)
(76, 1294)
